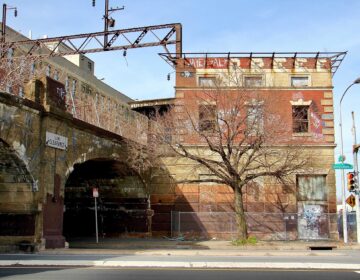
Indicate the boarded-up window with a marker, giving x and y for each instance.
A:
(207, 117)
(300, 116)
(207, 81)
(253, 81)
(299, 81)
(312, 188)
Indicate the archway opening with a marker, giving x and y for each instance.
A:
(121, 205)
(17, 208)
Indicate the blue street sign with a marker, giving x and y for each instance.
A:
(342, 166)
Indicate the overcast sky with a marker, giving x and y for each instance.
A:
(209, 26)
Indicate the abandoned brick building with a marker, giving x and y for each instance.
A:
(299, 88)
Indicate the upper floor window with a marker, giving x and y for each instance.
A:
(90, 66)
(207, 117)
(255, 119)
(10, 56)
(300, 81)
(253, 81)
(207, 81)
(300, 116)
(21, 91)
(56, 75)
(48, 70)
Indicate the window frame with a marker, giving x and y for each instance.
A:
(207, 118)
(299, 77)
(257, 122)
(247, 77)
(209, 78)
(297, 122)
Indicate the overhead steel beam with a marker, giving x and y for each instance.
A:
(162, 35)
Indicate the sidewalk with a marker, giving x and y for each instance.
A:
(206, 245)
(132, 252)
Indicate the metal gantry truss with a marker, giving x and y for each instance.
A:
(122, 39)
(336, 58)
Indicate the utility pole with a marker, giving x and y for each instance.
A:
(3, 21)
(356, 171)
(108, 22)
(3, 24)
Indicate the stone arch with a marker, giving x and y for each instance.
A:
(122, 202)
(18, 211)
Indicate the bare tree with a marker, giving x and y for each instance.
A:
(236, 135)
(17, 69)
(143, 157)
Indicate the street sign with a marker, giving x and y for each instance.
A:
(95, 192)
(341, 158)
(351, 200)
(56, 141)
(342, 166)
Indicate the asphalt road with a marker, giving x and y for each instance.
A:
(30, 273)
(349, 257)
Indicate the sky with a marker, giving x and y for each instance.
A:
(210, 26)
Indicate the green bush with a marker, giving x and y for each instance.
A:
(251, 240)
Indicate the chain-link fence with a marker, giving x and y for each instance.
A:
(265, 226)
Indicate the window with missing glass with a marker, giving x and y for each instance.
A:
(299, 81)
(300, 116)
(207, 117)
(253, 81)
(207, 81)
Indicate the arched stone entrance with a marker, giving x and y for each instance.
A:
(121, 204)
(18, 212)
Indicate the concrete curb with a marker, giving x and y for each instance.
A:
(179, 264)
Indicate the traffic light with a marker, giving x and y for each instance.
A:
(351, 181)
(93, 3)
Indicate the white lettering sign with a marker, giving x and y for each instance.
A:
(56, 141)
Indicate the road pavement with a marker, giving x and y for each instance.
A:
(60, 273)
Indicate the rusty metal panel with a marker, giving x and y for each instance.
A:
(312, 188)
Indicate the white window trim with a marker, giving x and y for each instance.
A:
(300, 76)
(206, 76)
(300, 102)
(254, 75)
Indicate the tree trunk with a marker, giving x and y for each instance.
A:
(240, 215)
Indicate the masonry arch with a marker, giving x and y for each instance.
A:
(122, 200)
(18, 212)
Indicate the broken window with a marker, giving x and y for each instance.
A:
(255, 120)
(253, 81)
(299, 81)
(207, 117)
(300, 116)
(207, 81)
